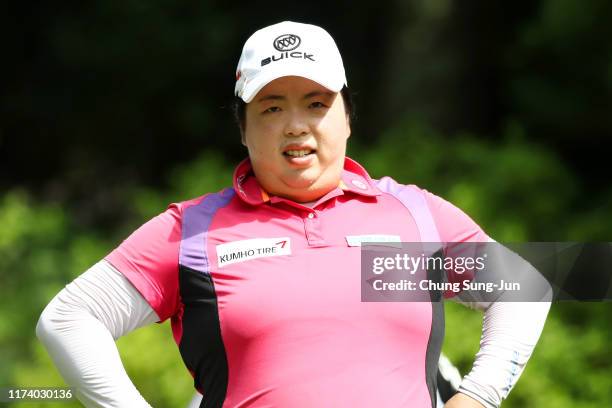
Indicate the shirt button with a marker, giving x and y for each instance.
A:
(311, 215)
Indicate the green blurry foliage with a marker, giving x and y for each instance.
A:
(208, 173)
(40, 251)
(515, 189)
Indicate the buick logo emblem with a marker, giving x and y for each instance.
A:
(287, 42)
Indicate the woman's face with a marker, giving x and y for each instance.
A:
(296, 132)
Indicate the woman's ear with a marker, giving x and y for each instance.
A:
(348, 125)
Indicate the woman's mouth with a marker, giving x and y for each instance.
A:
(298, 153)
(299, 157)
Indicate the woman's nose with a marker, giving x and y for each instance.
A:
(297, 125)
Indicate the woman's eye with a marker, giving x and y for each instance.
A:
(317, 105)
(272, 109)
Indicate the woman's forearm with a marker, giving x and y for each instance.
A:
(79, 327)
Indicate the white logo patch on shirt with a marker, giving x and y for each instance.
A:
(245, 250)
(382, 239)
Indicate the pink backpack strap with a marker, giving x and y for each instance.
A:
(413, 199)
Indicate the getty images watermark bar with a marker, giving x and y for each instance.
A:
(486, 272)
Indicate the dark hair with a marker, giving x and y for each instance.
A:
(239, 108)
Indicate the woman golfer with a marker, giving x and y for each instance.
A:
(261, 280)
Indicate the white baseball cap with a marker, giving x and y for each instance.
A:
(288, 49)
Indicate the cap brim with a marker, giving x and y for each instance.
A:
(253, 87)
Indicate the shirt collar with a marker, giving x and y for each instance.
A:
(354, 178)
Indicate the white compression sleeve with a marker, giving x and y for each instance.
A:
(79, 326)
(509, 334)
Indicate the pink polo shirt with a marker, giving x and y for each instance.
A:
(265, 300)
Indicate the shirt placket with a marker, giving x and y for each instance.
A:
(312, 229)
